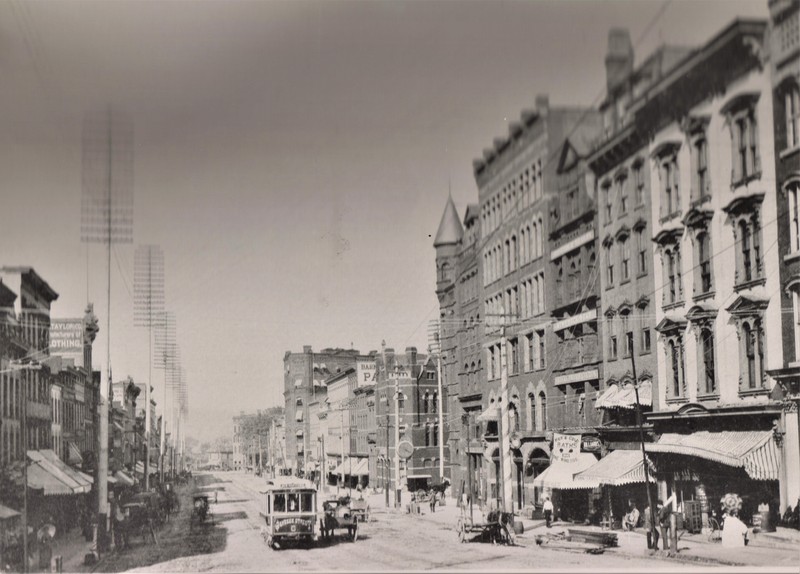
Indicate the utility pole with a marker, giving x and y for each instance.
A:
(341, 440)
(469, 462)
(323, 481)
(503, 430)
(397, 490)
(386, 460)
(640, 424)
(440, 404)
(260, 466)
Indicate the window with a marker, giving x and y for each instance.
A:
(401, 401)
(541, 412)
(622, 191)
(607, 197)
(513, 346)
(638, 182)
(612, 347)
(435, 434)
(793, 195)
(675, 362)
(530, 339)
(704, 261)
(669, 186)
(641, 250)
(700, 180)
(609, 265)
(752, 339)
(744, 140)
(426, 397)
(542, 353)
(792, 101)
(672, 293)
(625, 257)
(708, 378)
(435, 403)
(645, 340)
(427, 434)
(627, 346)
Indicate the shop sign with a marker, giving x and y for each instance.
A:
(66, 336)
(566, 447)
(590, 444)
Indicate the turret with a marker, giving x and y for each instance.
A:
(447, 245)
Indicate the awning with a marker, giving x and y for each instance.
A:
(755, 451)
(74, 456)
(49, 461)
(561, 475)
(6, 512)
(122, 477)
(624, 397)
(41, 479)
(111, 479)
(362, 468)
(616, 469)
(489, 414)
(139, 468)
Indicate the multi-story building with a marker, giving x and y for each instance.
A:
(785, 68)
(516, 178)
(304, 374)
(407, 406)
(26, 300)
(458, 288)
(717, 270)
(621, 163)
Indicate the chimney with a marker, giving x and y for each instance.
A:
(542, 103)
(307, 349)
(619, 59)
(411, 355)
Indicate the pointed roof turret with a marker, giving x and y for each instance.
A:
(450, 230)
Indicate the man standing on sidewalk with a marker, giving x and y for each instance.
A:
(547, 507)
(652, 533)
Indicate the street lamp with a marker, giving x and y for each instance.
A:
(17, 365)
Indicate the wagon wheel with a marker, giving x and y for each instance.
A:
(354, 530)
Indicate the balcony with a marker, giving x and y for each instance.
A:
(786, 39)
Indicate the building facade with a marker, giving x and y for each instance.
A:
(304, 374)
(785, 69)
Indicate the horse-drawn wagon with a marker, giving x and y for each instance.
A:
(339, 513)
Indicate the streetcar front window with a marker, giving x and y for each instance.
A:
(307, 502)
(279, 503)
(293, 502)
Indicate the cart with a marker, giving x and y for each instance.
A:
(360, 509)
(338, 513)
(200, 511)
(498, 527)
(291, 511)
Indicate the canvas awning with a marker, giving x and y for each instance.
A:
(624, 397)
(139, 468)
(111, 479)
(74, 456)
(755, 451)
(618, 468)
(123, 477)
(362, 468)
(6, 512)
(561, 475)
(489, 414)
(41, 479)
(49, 461)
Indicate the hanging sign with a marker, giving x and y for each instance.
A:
(566, 447)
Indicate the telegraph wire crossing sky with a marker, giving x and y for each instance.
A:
(291, 159)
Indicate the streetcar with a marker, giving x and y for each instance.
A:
(291, 511)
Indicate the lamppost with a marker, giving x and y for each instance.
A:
(20, 366)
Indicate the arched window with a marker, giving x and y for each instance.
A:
(401, 401)
(792, 101)
(435, 403)
(541, 412)
(427, 435)
(435, 434)
(747, 260)
(704, 260)
(425, 403)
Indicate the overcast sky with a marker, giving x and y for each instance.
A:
(292, 159)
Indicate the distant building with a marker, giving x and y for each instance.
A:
(304, 374)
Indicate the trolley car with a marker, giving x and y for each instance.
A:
(291, 511)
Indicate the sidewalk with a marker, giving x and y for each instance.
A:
(779, 549)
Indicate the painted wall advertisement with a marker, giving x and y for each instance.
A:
(366, 373)
(66, 336)
(566, 447)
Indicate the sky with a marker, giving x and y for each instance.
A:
(291, 159)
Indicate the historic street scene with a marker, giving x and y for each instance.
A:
(390, 285)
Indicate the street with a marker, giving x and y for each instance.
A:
(390, 541)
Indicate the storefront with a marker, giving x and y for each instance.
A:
(701, 467)
(571, 498)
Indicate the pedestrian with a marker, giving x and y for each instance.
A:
(664, 514)
(631, 519)
(652, 533)
(547, 507)
(734, 532)
(433, 501)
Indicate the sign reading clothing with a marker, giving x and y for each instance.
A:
(566, 447)
(66, 336)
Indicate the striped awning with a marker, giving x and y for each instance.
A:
(49, 461)
(123, 477)
(755, 451)
(41, 479)
(6, 512)
(362, 468)
(561, 475)
(74, 456)
(139, 468)
(624, 397)
(489, 414)
(618, 468)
